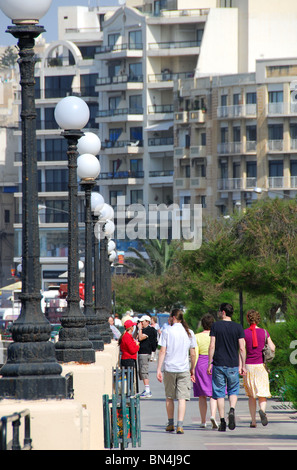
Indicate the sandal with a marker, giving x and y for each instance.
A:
(253, 425)
(263, 418)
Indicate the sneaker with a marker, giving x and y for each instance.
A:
(169, 428)
(222, 426)
(202, 425)
(231, 422)
(146, 394)
(214, 423)
(179, 430)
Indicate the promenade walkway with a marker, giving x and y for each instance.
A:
(280, 434)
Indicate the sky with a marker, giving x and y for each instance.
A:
(50, 20)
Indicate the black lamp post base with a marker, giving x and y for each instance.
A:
(33, 388)
(81, 356)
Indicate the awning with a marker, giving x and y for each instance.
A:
(15, 286)
(161, 126)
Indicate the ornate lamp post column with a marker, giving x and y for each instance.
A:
(103, 230)
(31, 371)
(88, 168)
(72, 114)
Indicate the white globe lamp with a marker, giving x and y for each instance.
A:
(72, 113)
(108, 228)
(89, 143)
(97, 203)
(25, 11)
(112, 256)
(88, 166)
(106, 212)
(111, 246)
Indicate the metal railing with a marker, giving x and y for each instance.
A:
(122, 411)
(15, 420)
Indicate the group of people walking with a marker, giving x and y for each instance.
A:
(218, 355)
(216, 358)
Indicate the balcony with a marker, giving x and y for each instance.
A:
(181, 152)
(230, 184)
(121, 177)
(235, 111)
(110, 147)
(120, 82)
(181, 117)
(161, 177)
(161, 111)
(276, 182)
(230, 148)
(166, 79)
(275, 145)
(173, 48)
(118, 51)
(197, 116)
(198, 182)
(120, 114)
(197, 151)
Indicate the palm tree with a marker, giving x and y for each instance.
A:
(158, 258)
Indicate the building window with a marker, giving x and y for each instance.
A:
(136, 196)
(112, 39)
(58, 87)
(251, 98)
(276, 168)
(7, 216)
(135, 104)
(135, 40)
(275, 132)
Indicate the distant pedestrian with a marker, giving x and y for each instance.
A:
(256, 382)
(116, 333)
(147, 337)
(176, 342)
(202, 387)
(226, 345)
(129, 348)
(155, 324)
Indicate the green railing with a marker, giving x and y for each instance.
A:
(122, 412)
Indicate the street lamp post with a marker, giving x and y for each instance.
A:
(103, 230)
(31, 371)
(72, 114)
(97, 203)
(88, 170)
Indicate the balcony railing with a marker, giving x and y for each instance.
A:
(109, 144)
(118, 79)
(121, 175)
(276, 182)
(160, 108)
(275, 145)
(237, 111)
(155, 174)
(230, 184)
(173, 45)
(167, 76)
(119, 48)
(160, 141)
(119, 112)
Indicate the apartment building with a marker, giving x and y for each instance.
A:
(247, 141)
(8, 174)
(64, 67)
(177, 98)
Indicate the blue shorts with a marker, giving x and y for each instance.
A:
(222, 378)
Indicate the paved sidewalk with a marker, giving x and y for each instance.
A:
(280, 434)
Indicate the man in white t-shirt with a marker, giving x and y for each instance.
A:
(176, 342)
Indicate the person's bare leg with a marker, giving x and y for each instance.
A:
(253, 408)
(203, 409)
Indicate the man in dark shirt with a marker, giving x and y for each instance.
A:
(147, 336)
(226, 345)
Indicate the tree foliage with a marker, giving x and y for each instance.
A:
(8, 58)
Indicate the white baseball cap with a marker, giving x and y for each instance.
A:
(145, 317)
